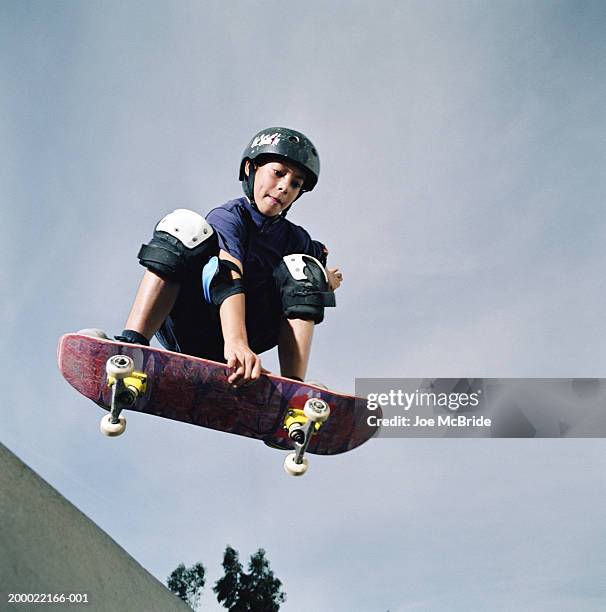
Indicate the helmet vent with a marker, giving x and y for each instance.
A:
(314, 152)
(293, 138)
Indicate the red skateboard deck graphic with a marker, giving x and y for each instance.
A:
(195, 391)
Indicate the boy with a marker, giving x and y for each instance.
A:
(245, 279)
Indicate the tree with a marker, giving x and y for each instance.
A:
(256, 591)
(227, 588)
(187, 583)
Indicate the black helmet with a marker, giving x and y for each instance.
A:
(287, 144)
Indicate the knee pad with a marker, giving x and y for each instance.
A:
(217, 282)
(303, 286)
(183, 242)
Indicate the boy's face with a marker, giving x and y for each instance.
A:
(277, 184)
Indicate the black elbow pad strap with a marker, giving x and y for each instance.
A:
(323, 252)
(159, 257)
(304, 296)
(303, 286)
(217, 281)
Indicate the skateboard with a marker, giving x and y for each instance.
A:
(283, 413)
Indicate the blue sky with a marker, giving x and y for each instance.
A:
(461, 193)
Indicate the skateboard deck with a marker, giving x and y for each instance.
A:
(194, 390)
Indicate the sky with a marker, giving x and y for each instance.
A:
(461, 193)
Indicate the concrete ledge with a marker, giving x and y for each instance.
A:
(48, 546)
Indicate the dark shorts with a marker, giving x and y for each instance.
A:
(194, 327)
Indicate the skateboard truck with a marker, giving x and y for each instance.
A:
(126, 385)
(301, 425)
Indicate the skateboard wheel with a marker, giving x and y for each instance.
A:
(112, 429)
(93, 332)
(119, 366)
(293, 468)
(316, 410)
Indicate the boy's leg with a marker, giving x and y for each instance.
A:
(155, 298)
(304, 293)
(294, 347)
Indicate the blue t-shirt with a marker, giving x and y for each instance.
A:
(259, 243)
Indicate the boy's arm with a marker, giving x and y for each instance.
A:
(155, 299)
(246, 364)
